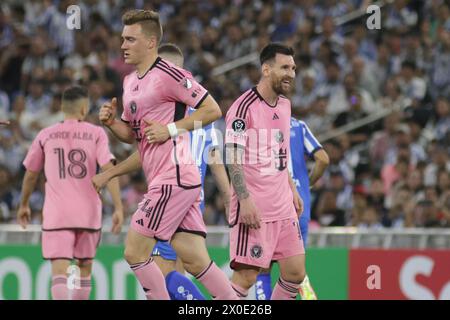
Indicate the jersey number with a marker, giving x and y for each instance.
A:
(76, 169)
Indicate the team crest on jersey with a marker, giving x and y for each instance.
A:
(238, 125)
(187, 83)
(279, 137)
(133, 107)
(256, 251)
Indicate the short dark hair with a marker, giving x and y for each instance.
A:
(170, 48)
(270, 51)
(74, 93)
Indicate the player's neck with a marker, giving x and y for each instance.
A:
(146, 64)
(73, 117)
(265, 90)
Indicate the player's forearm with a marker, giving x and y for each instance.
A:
(316, 173)
(29, 183)
(208, 112)
(122, 131)
(130, 164)
(291, 183)
(234, 164)
(221, 178)
(114, 189)
(321, 163)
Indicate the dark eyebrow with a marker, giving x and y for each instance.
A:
(288, 66)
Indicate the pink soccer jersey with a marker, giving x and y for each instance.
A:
(263, 131)
(162, 94)
(69, 152)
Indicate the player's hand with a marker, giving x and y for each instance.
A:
(24, 216)
(107, 113)
(99, 181)
(249, 213)
(155, 132)
(298, 203)
(4, 122)
(117, 220)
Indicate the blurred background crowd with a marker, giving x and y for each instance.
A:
(391, 172)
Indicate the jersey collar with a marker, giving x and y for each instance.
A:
(152, 66)
(255, 90)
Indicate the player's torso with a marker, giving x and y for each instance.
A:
(70, 152)
(71, 201)
(144, 99)
(266, 159)
(268, 139)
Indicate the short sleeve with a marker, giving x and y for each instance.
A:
(181, 86)
(310, 142)
(237, 127)
(103, 154)
(34, 161)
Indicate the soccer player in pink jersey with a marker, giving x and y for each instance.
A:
(69, 152)
(155, 100)
(265, 204)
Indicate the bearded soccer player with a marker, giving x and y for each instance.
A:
(303, 143)
(69, 152)
(155, 99)
(265, 205)
(204, 149)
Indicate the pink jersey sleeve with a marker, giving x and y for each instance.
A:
(102, 149)
(181, 86)
(34, 161)
(238, 123)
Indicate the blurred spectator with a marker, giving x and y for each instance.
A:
(370, 219)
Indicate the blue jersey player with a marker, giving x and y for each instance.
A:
(303, 143)
(203, 149)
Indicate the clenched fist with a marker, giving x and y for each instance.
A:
(107, 113)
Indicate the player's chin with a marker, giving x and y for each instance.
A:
(287, 86)
(128, 60)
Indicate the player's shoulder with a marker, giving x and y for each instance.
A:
(51, 128)
(295, 122)
(242, 104)
(168, 70)
(92, 127)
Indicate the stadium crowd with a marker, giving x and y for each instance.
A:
(392, 172)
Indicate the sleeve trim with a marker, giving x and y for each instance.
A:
(201, 100)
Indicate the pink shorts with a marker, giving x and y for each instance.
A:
(274, 241)
(70, 244)
(167, 209)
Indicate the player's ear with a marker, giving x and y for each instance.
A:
(265, 69)
(152, 43)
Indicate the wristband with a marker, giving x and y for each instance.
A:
(173, 131)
